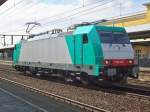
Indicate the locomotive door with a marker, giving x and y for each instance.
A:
(78, 49)
(79, 42)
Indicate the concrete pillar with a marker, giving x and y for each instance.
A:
(12, 40)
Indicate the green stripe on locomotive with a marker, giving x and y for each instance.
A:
(16, 53)
(89, 53)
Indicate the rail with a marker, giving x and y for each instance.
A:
(133, 91)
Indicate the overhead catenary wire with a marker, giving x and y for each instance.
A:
(109, 18)
(80, 7)
(112, 17)
(28, 6)
(67, 16)
(64, 28)
(8, 9)
(17, 10)
(39, 2)
(11, 8)
(59, 15)
(80, 12)
(68, 11)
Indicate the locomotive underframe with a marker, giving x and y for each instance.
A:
(78, 72)
(119, 73)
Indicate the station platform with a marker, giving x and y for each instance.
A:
(144, 74)
(11, 103)
(6, 53)
(145, 69)
(5, 62)
(17, 99)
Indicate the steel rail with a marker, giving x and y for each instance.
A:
(135, 91)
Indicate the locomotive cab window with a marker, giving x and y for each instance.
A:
(85, 39)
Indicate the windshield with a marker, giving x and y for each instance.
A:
(114, 37)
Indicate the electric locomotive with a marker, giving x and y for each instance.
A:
(89, 52)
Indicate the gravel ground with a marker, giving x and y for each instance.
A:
(109, 101)
(138, 82)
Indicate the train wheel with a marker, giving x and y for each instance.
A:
(17, 68)
(84, 79)
(33, 70)
(121, 79)
(38, 74)
(124, 79)
(69, 78)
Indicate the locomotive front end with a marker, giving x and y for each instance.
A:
(118, 62)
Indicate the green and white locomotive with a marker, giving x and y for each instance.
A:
(88, 52)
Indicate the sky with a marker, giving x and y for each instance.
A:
(14, 14)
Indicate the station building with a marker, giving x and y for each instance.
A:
(6, 50)
(138, 29)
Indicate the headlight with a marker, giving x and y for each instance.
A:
(131, 61)
(107, 62)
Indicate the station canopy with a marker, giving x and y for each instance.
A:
(139, 31)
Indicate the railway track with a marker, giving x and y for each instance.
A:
(7, 71)
(131, 90)
(57, 97)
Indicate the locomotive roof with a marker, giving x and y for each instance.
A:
(87, 29)
(78, 30)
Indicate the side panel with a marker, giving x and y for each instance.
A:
(85, 53)
(80, 53)
(88, 53)
(51, 50)
(78, 50)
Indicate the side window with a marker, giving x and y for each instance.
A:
(85, 39)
